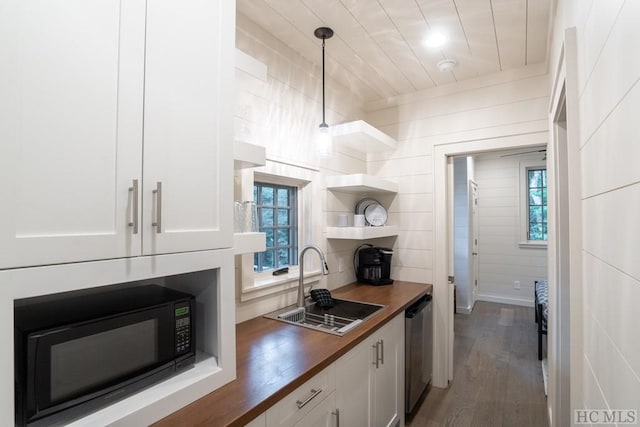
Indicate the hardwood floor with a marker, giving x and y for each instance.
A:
(497, 378)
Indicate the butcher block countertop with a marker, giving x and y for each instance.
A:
(274, 358)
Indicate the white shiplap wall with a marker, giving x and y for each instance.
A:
(282, 115)
(501, 260)
(608, 39)
(499, 105)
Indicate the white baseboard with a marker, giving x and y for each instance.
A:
(463, 310)
(505, 300)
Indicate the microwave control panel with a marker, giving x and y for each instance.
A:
(183, 327)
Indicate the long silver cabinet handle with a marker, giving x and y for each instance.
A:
(158, 222)
(382, 352)
(377, 354)
(314, 393)
(134, 206)
(337, 414)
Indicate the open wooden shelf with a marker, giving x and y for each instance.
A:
(361, 233)
(363, 137)
(246, 155)
(360, 183)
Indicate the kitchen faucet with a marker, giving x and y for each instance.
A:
(323, 265)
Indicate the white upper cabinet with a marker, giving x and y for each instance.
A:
(71, 129)
(188, 126)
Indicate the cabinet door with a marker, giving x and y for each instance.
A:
(354, 385)
(388, 395)
(188, 150)
(70, 129)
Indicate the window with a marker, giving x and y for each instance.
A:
(285, 196)
(278, 219)
(536, 204)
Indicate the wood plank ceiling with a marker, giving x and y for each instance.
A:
(378, 51)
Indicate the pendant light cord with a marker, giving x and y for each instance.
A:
(323, 118)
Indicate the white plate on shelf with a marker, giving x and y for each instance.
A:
(362, 204)
(376, 215)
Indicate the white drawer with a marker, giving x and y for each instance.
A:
(302, 400)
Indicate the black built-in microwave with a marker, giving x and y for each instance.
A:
(91, 348)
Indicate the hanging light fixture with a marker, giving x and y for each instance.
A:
(325, 145)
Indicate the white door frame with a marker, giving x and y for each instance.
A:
(565, 342)
(443, 228)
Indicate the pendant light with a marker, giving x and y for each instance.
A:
(324, 143)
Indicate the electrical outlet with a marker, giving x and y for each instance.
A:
(340, 265)
(516, 284)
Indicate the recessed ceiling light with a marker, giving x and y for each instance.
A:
(435, 39)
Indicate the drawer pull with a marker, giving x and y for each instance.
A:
(314, 393)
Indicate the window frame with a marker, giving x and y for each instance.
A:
(525, 167)
(293, 226)
(543, 203)
(252, 285)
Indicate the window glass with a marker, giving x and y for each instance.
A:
(537, 203)
(266, 217)
(283, 217)
(283, 197)
(277, 213)
(266, 196)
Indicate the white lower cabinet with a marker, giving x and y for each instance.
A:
(365, 387)
(370, 379)
(308, 405)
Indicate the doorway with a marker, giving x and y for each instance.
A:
(500, 226)
(443, 291)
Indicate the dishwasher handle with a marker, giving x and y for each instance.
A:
(417, 307)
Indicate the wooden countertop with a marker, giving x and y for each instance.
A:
(274, 358)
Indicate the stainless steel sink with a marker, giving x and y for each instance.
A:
(338, 320)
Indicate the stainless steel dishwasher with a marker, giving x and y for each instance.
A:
(418, 352)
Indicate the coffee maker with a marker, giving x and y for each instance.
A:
(374, 265)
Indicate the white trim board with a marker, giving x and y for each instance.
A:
(505, 300)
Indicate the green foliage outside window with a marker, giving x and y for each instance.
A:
(277, 218)
(537, 190)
